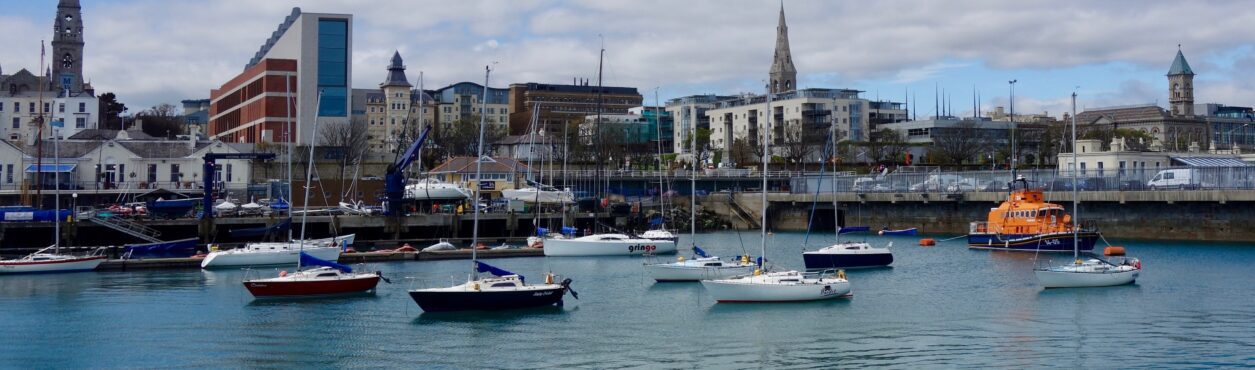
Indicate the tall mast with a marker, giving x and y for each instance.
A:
(422, 118)
(766, 156)
(662, 189)
(1076, 211)
(478, 168)
(309, 177)
(693, 175)
(39, 133)
(836, 210)
(56, 182)
(291, 139)
(597, 128)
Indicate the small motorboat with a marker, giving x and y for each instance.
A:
(329, 278)
(442, 245)
(700, 267)
(44, 262)
(844, 255)
(907, 231)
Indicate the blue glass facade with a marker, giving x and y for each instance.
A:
(333, 67)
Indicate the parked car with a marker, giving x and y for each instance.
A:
(936, 182)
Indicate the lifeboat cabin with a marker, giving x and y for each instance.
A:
(1025, 222)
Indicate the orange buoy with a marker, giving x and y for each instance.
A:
(1113, 250)
(927, 242)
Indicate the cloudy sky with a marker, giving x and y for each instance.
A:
(1112, 52)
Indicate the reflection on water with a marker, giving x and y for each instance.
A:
(943, 306)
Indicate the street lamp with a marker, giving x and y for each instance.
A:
(1014, 159)
(1230, 134)
(74, 206)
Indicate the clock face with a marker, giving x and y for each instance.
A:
(67, 61)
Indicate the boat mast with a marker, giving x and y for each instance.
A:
(1076, 211)
(766, 156)
(601, 57)
(566, 186)
(56, 182)
(287, 87)
(662, 189)
(478, 168)
(836, 209)
(39, 133)
(693, 175)
(309, 177)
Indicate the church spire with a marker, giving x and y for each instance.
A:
(783, 75)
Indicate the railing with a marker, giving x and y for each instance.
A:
(1185, 178)
(126, 226)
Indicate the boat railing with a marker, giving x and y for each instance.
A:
(978, 227)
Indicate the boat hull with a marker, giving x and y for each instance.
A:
(818, 260)
(910, 231)
(447, 300)
(262, 258)
(417, 193)
(673, 273)
(1059, 242)
(35, 267)
(1063, 279)
(311, 288)
(727, 291)
(545, 196)
(630, 247)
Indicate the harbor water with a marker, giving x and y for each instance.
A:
(942, 306)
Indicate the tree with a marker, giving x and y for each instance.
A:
(741, 152)
(885, 145)
(345, 142)
(794, 146)
(461, 138)
(110, 111)
(957, 143)
(162, 120)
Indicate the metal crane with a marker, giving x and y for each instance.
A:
(208, 169)
(394, 180)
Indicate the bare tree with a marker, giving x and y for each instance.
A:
(344, 142)
(957, 143)
(162, 120)
(461, 138)
(741, 151)
(795, 146)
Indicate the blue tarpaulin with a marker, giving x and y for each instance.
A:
(279, 204)
(699, 252)
(308, 260)
(540, 231)
(484, 267)
(50, 168)
(167, 249)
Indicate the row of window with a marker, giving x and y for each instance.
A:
(79, 122)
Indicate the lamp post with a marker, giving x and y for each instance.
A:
(1230, 134)
(1014, 155)
(74, 206)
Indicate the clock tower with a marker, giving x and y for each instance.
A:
(67, 47)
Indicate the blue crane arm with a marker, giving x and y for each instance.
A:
(394, 180)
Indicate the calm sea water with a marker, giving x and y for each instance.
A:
(944, 306)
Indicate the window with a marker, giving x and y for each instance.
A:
(47, 107)
(61, 108)
(1082, 168)
(152, 173)
(174, 172)
(8, 173)
(333, 66)
(17, 122)
(32, 107)
(82, 107)
(17, 107)
(229, 172)
(80, 122)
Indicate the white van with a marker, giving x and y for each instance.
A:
(1180, 178)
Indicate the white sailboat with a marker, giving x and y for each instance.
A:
(606, 244)
(770, 286)
(701, 266)
(505, 290)
(1091, 272)
(538, 192)
(260, 254)
(433, 189)
(42, 261)
(847, 254)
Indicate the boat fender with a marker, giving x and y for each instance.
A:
(680, 259)
(841, 274)
(927, 242)
(283, 273)
(758, 272)
(1137, 264)
(745, 260)
(475, 286)
(548, 278)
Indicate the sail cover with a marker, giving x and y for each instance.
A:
(853, 229)
(308, 260)
(699, 252)
(484, 267)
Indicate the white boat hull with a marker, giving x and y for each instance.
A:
(674, 272)
(1068, 279)
(420, 193)
(759, 289)
(77, 264)
(626, 247)
(529, 195)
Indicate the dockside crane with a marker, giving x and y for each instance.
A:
(394, 180)
(208, 170)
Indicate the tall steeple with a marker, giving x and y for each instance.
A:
(1181, 86)
(783, 74)
(67, 47)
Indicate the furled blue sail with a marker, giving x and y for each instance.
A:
(699, 252)
(486, 268)
(854, 229)
(308, 260)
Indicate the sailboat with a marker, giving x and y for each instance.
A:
(702, 266)
(505, 290)
(327, 279)
(538, 192)
(267, 253)
(606, 244)
(661, 233)
(772, 286)
(1091, 272)
(44, 261)
(848, 254)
